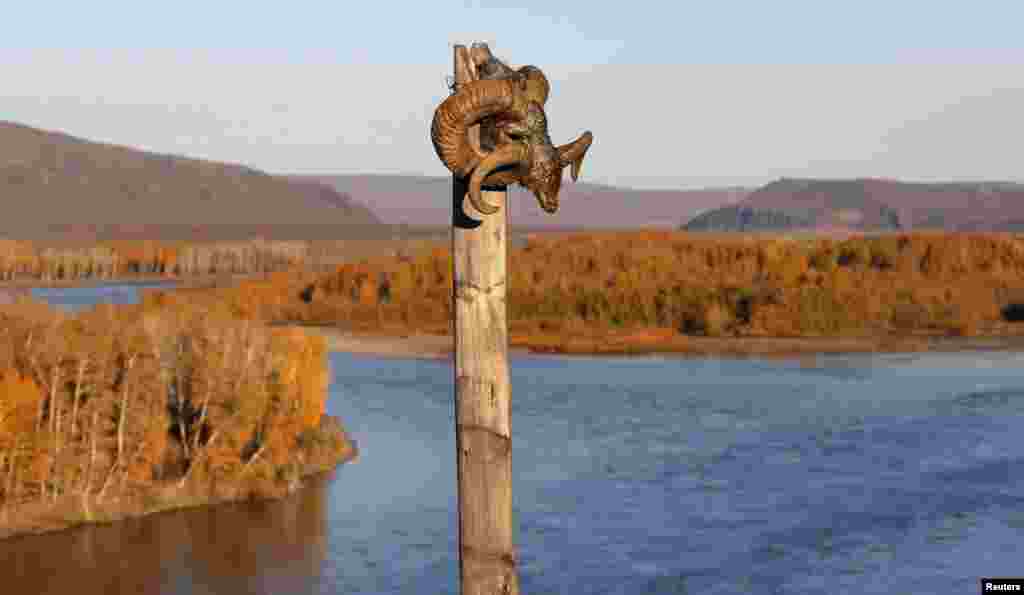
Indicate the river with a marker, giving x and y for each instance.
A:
(829, 474)
(76, 298)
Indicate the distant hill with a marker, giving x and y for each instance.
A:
(50, 180)
(737, 218)
(871, 205)
(421, 200)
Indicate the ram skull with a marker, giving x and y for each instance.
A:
(512, 101)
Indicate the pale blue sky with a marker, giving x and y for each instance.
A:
(566, 31)
(726, 91)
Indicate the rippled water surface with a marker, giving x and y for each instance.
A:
(832, 474)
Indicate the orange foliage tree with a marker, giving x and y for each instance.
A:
(691, 283)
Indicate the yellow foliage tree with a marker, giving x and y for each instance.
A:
(20, 398)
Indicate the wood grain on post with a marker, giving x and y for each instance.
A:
(483, 429)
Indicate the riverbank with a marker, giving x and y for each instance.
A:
(182, 281)
(418, 346)
(70, 511)
(661, 342)
(690, 294)
(112, 413)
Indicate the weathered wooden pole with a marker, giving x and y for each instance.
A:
(490, 133)
(483, 430)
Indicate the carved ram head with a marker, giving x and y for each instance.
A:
(511, 103)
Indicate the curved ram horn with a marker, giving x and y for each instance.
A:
(472, 102)
(574, 152)
(508, 154)
(505, 176)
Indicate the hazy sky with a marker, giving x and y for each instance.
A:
(678, 94)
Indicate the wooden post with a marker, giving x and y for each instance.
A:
(483, 429)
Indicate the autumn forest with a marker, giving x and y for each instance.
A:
(586, 292)
(205, 392)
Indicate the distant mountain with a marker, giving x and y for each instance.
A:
(421, 200)
(52, 179)
(871, 205)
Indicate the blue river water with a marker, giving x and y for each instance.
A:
(828, 474)
(76, 298)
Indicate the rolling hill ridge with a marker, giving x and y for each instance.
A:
(51, 179)
(869, 204)
(423, 200)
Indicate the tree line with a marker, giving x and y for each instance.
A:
(696, 284)
(119, 259)
(119, 408)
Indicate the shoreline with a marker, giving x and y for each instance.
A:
(69, 284)
(439, 347)
(182, 281)
(413, 346)
(70, 512)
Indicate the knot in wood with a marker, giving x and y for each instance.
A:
(464, 290)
